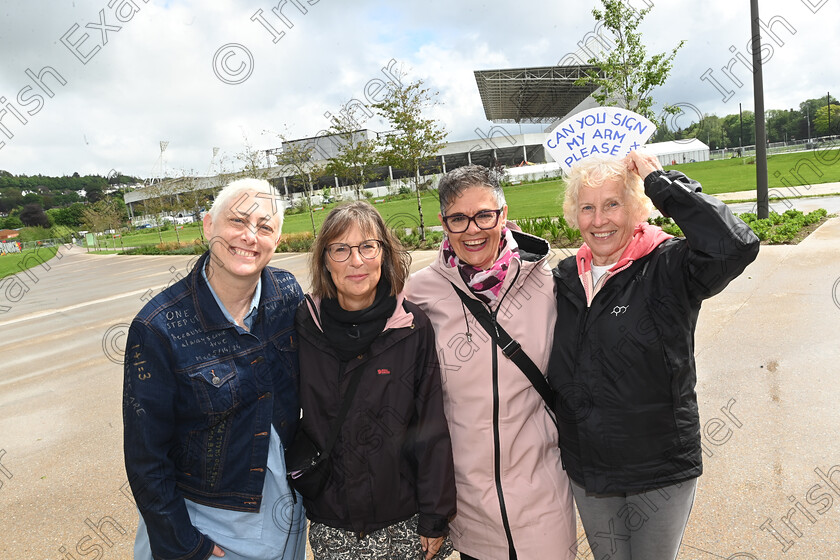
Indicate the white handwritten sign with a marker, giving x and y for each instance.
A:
(603, 130)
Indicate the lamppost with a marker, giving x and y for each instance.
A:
(762, 193)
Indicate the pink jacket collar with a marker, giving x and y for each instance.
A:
(646, 238)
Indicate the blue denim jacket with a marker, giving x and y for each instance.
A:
(200, 396)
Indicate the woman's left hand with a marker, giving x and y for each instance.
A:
(431, 546)
(642, 163)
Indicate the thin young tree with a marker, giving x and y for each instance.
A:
(416, 138)
(357, 156)
(295, 158)
(625, 75)
(256, 163)
(156, 203)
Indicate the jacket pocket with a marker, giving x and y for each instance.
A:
(215, 387)
(286, 345)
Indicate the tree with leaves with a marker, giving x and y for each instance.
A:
(33, 215)
(709, 130)
(295, 158)
(104, 214)
(821, 120)
(625, 75)
(357, 154)
(732, 125)
(416, 139)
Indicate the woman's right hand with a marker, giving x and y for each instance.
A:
(218, 551)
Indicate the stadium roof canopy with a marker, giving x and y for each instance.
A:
(532, 95)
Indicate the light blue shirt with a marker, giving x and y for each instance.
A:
(255, 302)
(278, 530)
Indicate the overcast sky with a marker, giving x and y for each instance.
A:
(205, 74)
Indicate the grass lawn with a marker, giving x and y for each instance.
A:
(150, 236)
(13, 263)
(537, 199)
(795, 169)
(545, 198)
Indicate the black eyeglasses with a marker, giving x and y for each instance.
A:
(459, 223)
(368, 249)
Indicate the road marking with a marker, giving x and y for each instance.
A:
(44, 313)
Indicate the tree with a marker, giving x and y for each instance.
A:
(416, 139)
(33, 198)
(194, 198)
(821, 121)
(254, 161)
(295, 158)
(356, 158)
(12, 222)
(808, 110)
(94, 192)
(33, 215)
(156, 203)
(625, 75)
(104, 214)
(709, 130)
(732, 126)
(10, 198)
(69, 216)
(783, 126)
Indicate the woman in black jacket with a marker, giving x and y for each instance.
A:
(622, 362)
(391, 489)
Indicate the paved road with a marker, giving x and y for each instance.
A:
(767, 354)
(829, 203)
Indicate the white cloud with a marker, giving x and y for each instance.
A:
(154, 79)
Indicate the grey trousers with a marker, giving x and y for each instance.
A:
(635, 526)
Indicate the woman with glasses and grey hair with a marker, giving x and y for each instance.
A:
(391, 487)
(514, 499)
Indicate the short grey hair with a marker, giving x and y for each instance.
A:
(242, 189)
(454, 183)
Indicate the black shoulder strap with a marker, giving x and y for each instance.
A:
(510, 347)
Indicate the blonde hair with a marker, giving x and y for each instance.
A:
(592, 173)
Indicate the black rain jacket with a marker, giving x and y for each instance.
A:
(393, 456)
(623, 368)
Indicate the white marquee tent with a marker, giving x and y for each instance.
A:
(679, 151)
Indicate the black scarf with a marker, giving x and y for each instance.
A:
(352, 332)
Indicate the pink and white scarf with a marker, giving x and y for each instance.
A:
(485, 284)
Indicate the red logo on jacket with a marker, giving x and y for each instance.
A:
(383, 371)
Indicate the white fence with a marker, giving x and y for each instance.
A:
(779, 147)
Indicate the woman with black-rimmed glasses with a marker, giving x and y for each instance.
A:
(514, 499)
(391, 488)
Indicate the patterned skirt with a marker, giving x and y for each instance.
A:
(399, 541)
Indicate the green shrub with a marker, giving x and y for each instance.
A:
(782, 228)
(296, 242)
(33, 233)
(167, 249)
